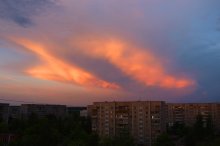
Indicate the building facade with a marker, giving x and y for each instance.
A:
(14, 112)
(43, 110)
(75, 110)
(4, 112)
(142, 120)
(186, 113)
(84, 113)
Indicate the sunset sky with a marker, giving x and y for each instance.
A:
(76, 52)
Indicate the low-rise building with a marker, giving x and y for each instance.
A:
(75, 110)
(14, 112)
(43, 110)
(4, 112)
(84, 113)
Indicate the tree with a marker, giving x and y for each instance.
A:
(199, 129)
(117, 141)
(190, 139)
(209, 127)
(164, 140)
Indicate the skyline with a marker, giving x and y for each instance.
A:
(78, 52)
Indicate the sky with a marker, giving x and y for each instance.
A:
(82, 51)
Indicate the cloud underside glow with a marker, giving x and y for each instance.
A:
(58, 70)
(142, 66)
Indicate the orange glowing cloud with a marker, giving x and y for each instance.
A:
(140, 65)
(58, 70)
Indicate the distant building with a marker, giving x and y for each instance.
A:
(4, 112)
(75, 110)
(84, 113)
(14, 112)
(142, 120)
(43, 110)
(186, 113)
(216, 115)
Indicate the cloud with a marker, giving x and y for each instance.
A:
(150, 48)
(58, 70)
(141, 65)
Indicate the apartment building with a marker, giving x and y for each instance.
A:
(186, 113)
(4, 112)
(14, 112)
(75, 110)
(142, 120)
(43, 110)
(83, 113)
(216, 115)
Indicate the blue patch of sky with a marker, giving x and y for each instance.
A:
(21, 11)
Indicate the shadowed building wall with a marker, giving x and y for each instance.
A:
(142, 120)
(186, 113)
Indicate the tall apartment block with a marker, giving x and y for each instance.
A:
(186, 113)
(142, 120)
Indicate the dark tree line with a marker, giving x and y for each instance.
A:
(202, 133)
(72, 130)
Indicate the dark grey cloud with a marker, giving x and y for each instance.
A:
(21, 11)
(101, 68)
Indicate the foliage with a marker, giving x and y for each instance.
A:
(52, 131)
(72, 130)
(177, 129)
(117, 141)
(164, 140)
(201, 132)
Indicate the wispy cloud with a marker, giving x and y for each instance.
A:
(137, 63)
(58, 70)
(148, 48)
